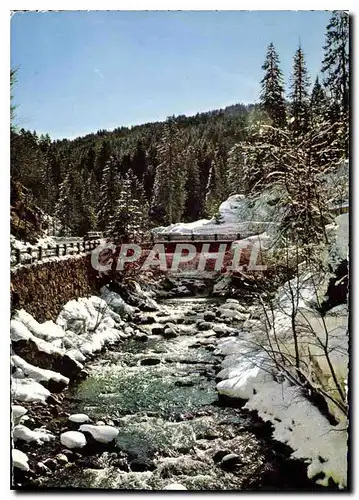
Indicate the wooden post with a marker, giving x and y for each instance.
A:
(29, 251)
(65, 249)
(40, 253)
(18, 255)
(79, 247)
(57, 250)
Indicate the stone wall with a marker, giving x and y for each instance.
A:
(43, 289)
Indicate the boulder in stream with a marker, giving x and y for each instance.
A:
(73, 439)
(100, 433)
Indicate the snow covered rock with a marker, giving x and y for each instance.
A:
(174, 486)
(221, 287)
(28, 390)
(55, 382)
(20, 460)
(73, 439)
(116, 302)
(39, 436)
(17, 412)
(233, 313)
(170, 331)
(79, 418)
(77, 355)
(47, 331)
(45, 355)
(62, 459)
(18, 331)
(209, 316)
(143, 337)
(101, 433)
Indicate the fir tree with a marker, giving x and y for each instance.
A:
(102, 155)
(65, 210)
(109, 191)
(194, 201)
(129, 219)
(318, 102)
(139, 161)
(299, 95)
(217, 188)
(169, 186)
(12, 106)
(236, 168)
(335, 65)
(272, 93)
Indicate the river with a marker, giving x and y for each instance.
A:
(161, 395)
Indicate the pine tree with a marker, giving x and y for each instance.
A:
(335, 65)
(299, 95)
(139, 161)
(65, 206)
(87, 204)
(169, 187)
(12, 106)
(318, 101)
(335, 69)
(257, 163)
(217, 188)
(194, 201)
(102, 155)
(129, 219)
(236, 167)
(109, 191)
(272, 93)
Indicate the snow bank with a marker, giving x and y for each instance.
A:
(248, 373)
(83, 327)
(305, 430)
(238, 214)
(296, 421)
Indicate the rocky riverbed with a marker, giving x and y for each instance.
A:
(152, 418)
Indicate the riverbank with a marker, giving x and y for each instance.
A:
(157, 389)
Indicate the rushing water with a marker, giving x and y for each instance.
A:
(161, 395)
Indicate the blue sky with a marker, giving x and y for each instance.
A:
(84, 71)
